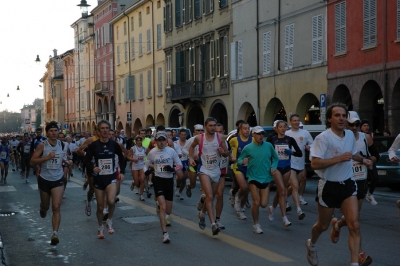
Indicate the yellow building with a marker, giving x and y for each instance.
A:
(139, 65)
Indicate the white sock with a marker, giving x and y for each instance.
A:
(354, 264)
(299, 210)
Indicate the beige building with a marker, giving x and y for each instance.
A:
(197, 37)
(139, 65)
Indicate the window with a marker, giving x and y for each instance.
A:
(289, 41)
(130, 88)
(148, 41)
(159, 77)
(317, 39)
(148, 10)
(208, 6)
(266, 52)
(140, 19)
(178, 21)
(118, 55)
(180, 67)
(92, 67)
(168, 17)
(192, 66)
(132, 24)
(126, 52)
(124, 28)
(340, 27)
(223, 3)
(88, 100)
(73, 106)
(117, 33)
(369, 23)
(65, 106)
(212, 55)
(197, 9)
(105, 78)
(169, 67)
(82, 100)
(111, 69)
(119, 91)
(159, 36)
(186, 11)
(240, 59)
(158, 4)
(141, 87)
(149, 84)
(225, 52)
(133, 47)
(140, 45)
(107, 33)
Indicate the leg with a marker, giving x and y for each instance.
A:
(243, 189)
(56, 194)
(255, 195)
(111, 192)
(100, 205)
(163, 207)
(192, 179)
(350, 211)
(302, 182)
(207, 189)
(324, 220)
(294, 184)
(220, 197)
(281, 193)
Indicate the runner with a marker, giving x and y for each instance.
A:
(237, 144)
(262, 161)
(283, 146)
(211, 148)
(332, 153)
(5, 151)
(24, 148)
(65, 164)
(50, 156)
(360, 172)
(181, 142)
(14, 155)
(102, 152)
(161, 159)
(35, 142)
(303, 140)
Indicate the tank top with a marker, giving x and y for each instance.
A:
(280, 145)
(140, 153)
(37, 141)
(360, 171)
(4, 152)
(209, 156)
(26, 148)
(184, 155)
(51, 169)
(14, 144)
(241, 145)
(104, 157)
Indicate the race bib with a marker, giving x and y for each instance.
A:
(224, 162)
(161, 168)
(140, 158)
(106, 166)
(360, 171)
(280, 150)
(211, 161)
(54, 163)
(3, 155)
(27, 149)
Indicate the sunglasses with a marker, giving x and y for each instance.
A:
(357, 124)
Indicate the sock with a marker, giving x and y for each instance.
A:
(217, 218)
(212, 224)
(354, 264)
(164, 233)
(55, 233)
(166, 216)
(284, 218)
(298, 209)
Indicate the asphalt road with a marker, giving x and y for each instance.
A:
(138, 237)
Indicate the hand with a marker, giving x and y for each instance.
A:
(121, 177)
(196, 157)
(395, 159)
(96, 170)
(233, 160)
(288, 151)
(345, 157)
(245, 161)
(307, 148)
(52, 154)
(221, 151)
(192, 162)
(169, 168)
(367, 163)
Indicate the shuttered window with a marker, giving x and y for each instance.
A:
(266, 52)
(133, 47)
(159, 81)
(159, 36)
(141, 87)
(240, 60)
(289, 43)
(317, 39)
(369, 23)
(140, 45)
(148, 41)
(149, 84)
(340, 27)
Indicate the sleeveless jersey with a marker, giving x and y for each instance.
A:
(209, 156)
(104, 157)
(360, 171)
(37, 141)
(26, 148)
(140, 153)
(4, 152)
(14, 144)
(51, 169)
(184, 155)
(241, 145)
(280, 145)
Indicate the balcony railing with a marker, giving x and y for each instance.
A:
(188, 91)
(102, 87)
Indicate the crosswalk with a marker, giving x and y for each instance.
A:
(11, 188)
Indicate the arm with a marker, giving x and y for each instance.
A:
(191, 150)
(36, 160)
(88, 159)
(372, 149)
(275, 158)
(80, 151)
(243, 158)
(121, 157)
(393, 149)
(298, 152)
(223, 149)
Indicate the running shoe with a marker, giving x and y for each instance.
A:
(370, 198)
(257, 229)
(42, 213)
(72, 175)
(148, 194)
(109, 226)
(301, 215)
(200, 203)
(271, 216)
(286, 222)
(13, 170)
(136, 190)
(202, 220)
(364, 260)
(116, 200)
(167, 220)
(231, 198)
(88, 208)
(150, 183)
(54, 240)
(177, 192)
(188, 191)
(100, 232)
(240, 215)
(237, 204)
(248, 205)
(214, 229)
(219, 224)
(312, 256)
(334, 232)
(288, 207)
(166, 239)
(22, 174)
(141, 198)
(26, 181)
(302, 201)
(132, 187)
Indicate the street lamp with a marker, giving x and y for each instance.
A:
(37, 59)
(84, 8)
(8, 95)
(17, 88)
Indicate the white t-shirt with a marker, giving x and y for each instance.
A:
(185, 149)
(328, 145)
(161, 158)
(184, 156)
(303, 138)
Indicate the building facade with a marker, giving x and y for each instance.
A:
(69, 90)
(364, 65)
(29, 115)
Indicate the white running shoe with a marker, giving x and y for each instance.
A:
(109, 226)
(286, 222)
(177, 192)
(257, 229)
(136, 190)
(240, 215)
(166, 238)
(237, 204)
(271, 213)
(219, 224)
(370, 198)
(312, 256)
(302, 201)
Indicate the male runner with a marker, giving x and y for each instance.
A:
(35, 142)
(5, 151)
(24, 148)
(14, 156)
(181, 142)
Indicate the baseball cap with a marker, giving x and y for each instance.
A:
(122, 130)
(198, 127)
(275, 122)
(301, 125)
(258, 129)
(161, 134)
(353, 117)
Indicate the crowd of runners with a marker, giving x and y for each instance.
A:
(168, 162)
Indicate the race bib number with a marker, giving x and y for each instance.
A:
(211, 161)
(3, 155)
(224, 162)
(55, 162)
(280, 150)
(161, 168)
(140, 158)
(27, 149)
(106, 166)
(359, 171)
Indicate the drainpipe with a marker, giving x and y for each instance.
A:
(385, 60)
(258, 64)
(279, 35)
(129, 64)
(154, 67)
(79, 79)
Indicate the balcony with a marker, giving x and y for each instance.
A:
(188, 92)
(102, 88)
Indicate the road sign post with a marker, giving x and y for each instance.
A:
(322, 108)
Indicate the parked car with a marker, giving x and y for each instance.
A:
(388, 171)
(188, 132)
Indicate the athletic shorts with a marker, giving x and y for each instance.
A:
(237, 171)
(5, 161)
(284, 170)
(163, 187)
(224, 171)
(258, 184)
(332, 194)
(185, 165)
(46, 185)
(194, 168)
(297, 171)
(362, 188)
(102, 182)
(214, 179)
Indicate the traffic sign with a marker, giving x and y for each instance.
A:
(66, 126)
(129, 117)
(322, 108)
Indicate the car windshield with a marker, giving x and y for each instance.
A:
(383, 144)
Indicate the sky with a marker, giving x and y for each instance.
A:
(30, 28)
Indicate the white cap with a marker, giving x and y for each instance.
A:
(275, 122)
(161, 134)
(353, 117)
(122, 130)
(258, 129)
(301, 125)
(198, 127)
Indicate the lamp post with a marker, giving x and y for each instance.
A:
(37, 59)
(17, 88)
(84, 8)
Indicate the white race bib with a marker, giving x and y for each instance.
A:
(223, 162)
(3, 155)
(211, 161)
(27, 149)
(161, 168)
(280, 150)
(55, 162)
(359, 171)
(106, 166)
